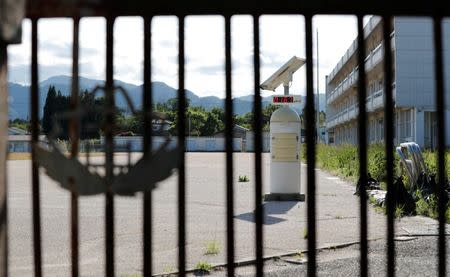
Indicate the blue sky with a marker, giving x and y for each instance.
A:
(281, 38)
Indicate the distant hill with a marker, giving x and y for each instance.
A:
(19, 96)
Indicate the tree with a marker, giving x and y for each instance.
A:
(196, 118)
(322, 118)
(212, 125)
(49, 110)
(268, 110)
(245, 120)
(220, 113)
(93, 120)
(172, 103)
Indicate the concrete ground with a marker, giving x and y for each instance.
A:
(416, 256)
(284, 226)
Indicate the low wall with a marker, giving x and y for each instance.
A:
(193, 144)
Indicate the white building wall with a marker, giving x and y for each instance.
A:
(414, 89)
(415, 75)
(414, 62)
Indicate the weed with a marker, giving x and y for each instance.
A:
(203, 266)
(305, 233)
(243, 178)
(427, 208)
(447, 215)
(399, 211)
(299, 256)
(372, 200)
(212, 248)
(169, 269)
(381, 210)
(338, 217)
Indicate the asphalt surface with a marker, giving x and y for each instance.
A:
(415, 257)
(284, 222)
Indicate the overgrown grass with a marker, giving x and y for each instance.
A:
(343, 161)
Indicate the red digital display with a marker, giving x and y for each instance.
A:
(283, 99)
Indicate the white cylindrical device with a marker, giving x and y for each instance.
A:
(285, 146)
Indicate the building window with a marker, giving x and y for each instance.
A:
(408, 124)
(381, 125)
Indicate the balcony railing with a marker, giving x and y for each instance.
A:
(370, 26)
(373, 59)
(373, 102)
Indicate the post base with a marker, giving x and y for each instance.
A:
(284, 197)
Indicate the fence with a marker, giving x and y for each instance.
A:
(111, 9)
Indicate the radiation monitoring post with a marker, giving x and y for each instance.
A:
(285, 134)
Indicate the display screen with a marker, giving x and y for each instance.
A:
(283, 99)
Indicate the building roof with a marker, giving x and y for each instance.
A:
(24, 138)
(17, 131)
(161, 121)
(237, 127)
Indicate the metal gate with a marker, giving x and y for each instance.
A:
(147, 9)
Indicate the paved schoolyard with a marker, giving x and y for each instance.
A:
(284, 227)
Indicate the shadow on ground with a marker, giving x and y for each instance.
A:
(270, 208)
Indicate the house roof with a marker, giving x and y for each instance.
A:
(240, 128)
(24, 138)
(16, 131)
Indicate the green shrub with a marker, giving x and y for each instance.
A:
(203, 266)
(376, 162)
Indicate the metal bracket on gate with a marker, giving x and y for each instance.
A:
(141, 176)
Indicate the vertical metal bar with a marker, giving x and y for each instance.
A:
(3, 153)
(388, 141)
(362, 141)
(74, 137)
(317, 87)
(109, 147)
(34, 141)
(257, 127)
(181, 145)
(147, 113)
(229, 148)
(440, 115)
(310, 149)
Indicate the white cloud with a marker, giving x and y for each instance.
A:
(204, 44)
(93, 36)
(165, 50)
(281, 38)
(336, 34)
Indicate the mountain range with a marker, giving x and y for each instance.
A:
(19, 96)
